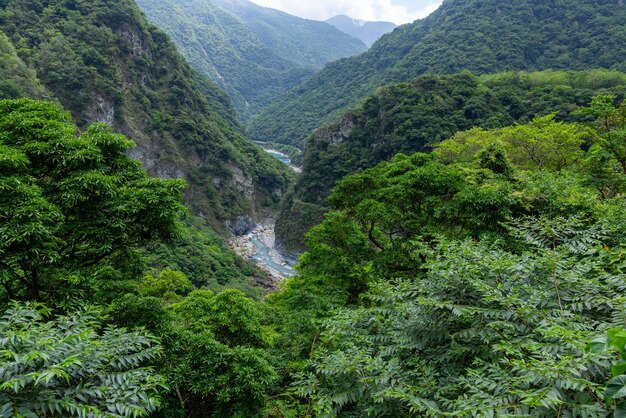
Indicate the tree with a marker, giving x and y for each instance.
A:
(168, 282)
(217, 357)
(72, 204)
(230, 315)
(610, 122)
(542, 144)
(70, 367)
(615, 389)
(481, 332)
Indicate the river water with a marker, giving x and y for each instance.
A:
(259, 245)
(279, 156)
(265, 255)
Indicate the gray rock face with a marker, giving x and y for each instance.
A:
(338, 133)
(241, 226)
(101, 110)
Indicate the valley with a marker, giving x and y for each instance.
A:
(259, 245)
(280, 156)
(216, 209)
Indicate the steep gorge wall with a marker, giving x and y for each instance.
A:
(105, 63)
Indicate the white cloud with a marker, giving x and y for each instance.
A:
(358, 9)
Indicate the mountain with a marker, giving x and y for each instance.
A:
(411, 117)
(104, 63)
(17, 80)
(254, 53)
(482, 36)
(368, 32)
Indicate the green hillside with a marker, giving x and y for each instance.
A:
(411, 117)
(484, 279)
(254, 53)
(17, 79)
(104, 62)
(482, 36)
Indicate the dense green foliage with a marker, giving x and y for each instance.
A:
(201, 255)
(476, 35)
(69, 367)
(215, 351)
(410, 117)
(104, 62)
(479, 280)
(17, 79)
(73, 209)
(254, 53)
(483, 279)
(74, 212)
(484, 332)
(469, 288)
(368, 32)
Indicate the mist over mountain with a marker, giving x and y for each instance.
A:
(368, 32)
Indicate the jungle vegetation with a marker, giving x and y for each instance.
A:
(412, 117)
(483, 279)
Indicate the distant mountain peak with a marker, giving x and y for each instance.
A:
(254, 53)
(365, 30)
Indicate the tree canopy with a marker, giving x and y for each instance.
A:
(69, 367)
(416, 116)
(73, 207)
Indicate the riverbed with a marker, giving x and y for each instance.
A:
(280, 156)
(259, 246)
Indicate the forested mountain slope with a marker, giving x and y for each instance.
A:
(483, 36)
(254, 53)
(368, 32)
(411, 117)
(104, 62)
(16, 79)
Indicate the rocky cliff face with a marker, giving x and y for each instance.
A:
(105, 63)
(334, 135)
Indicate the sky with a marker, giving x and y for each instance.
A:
(396, 11)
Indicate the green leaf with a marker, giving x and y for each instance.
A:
(619, 368)
(597, 345)
(617, 337)
(615, 388)
(620, 411)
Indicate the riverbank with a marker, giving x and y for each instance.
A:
(259, 246)
(279, 155)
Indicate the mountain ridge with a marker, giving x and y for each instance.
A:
(412, 117)
(581, 34)
(252, 52)
(105, 63)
